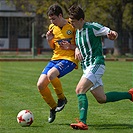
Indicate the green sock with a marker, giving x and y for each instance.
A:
(117, 96)
(83, 107)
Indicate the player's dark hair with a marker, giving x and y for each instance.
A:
(76, 12)
(54, 10)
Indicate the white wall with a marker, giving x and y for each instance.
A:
(45, 44)
(108, 43)
(4, 43)
(24, 43)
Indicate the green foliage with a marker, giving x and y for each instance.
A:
(128, 17)
(108, 12)
(18, 91)
(116, 14)
(105, 11)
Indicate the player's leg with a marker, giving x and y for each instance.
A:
(88, 81)
(53, 78)
(57, 86)
(55, 81)
(47, 96)
(42, 85)
(61, 68)
(45, 91)
(83, 86)
(117, 96)
(99, 94)
(112, 96)
(98, 91)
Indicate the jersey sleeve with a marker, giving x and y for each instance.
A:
(100, 30)
(51, 26)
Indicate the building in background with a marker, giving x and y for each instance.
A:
(15, 27)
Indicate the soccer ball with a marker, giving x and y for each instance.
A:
(25, 118)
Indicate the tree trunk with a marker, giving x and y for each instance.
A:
(118, 42)
(131, 42)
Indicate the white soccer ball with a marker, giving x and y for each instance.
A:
(25, 118)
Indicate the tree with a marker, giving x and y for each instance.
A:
(128, 23)
(116, 14)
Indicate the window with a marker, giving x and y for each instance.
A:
(3, 27)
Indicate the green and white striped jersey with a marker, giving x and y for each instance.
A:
(89, 42)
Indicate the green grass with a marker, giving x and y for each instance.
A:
(18, 91)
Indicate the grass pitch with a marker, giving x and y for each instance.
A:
(18, 91)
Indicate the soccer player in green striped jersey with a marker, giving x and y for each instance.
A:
(89, 44)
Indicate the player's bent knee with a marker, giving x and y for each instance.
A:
(39, 86)
(101, 101)
(79, 91)
(50, 76)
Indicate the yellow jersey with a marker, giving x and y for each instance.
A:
(67, 32)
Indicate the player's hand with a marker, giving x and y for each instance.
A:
(78, 55)
(112, 35)
(49, 35)
(65, 45)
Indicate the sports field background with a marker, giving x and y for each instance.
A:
(18, 91)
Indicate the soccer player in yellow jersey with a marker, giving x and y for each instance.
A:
(61, 38)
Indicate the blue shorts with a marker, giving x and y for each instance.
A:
(63, 66)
